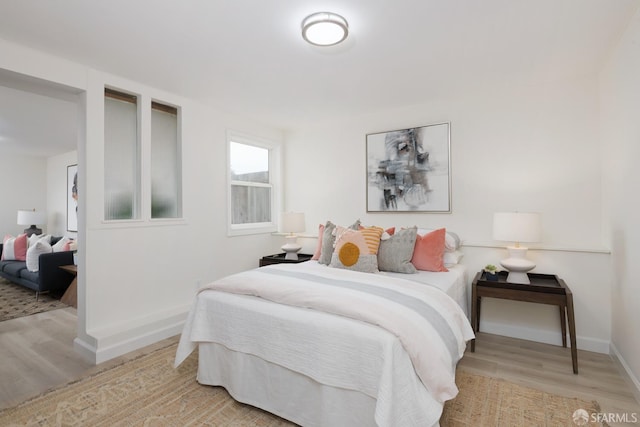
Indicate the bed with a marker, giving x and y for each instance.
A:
(323, 346)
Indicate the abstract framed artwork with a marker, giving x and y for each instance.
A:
(409, 170)
(72, 198)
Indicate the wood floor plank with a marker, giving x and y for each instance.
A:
(36, 354)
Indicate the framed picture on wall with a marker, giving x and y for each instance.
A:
(409, 170)
(72, 198)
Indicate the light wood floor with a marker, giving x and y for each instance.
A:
(36, 354)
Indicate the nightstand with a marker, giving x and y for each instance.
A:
(544, 289)
(279, 259)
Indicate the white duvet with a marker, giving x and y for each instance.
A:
(426, 331)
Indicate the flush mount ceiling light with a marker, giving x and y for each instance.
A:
(324, 29)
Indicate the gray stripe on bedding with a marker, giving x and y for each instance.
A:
(423, 309)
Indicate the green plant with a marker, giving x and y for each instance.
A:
(491, 269)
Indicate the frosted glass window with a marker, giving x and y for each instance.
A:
(165, 162)
(121, 156)
(252, 168)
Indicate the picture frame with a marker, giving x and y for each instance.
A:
(409, 170)
(72, 198)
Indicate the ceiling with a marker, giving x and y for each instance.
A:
(248, 57)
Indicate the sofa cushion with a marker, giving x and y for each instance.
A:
(32, 276)
(14, 267)
(3, 263)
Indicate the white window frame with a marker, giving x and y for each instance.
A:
(274, 183)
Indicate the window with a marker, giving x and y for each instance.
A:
(253, 194)
(141, 157)
(121, 156)
(165, 162)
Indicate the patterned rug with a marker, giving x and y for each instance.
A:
(18, 301)
(147, 391)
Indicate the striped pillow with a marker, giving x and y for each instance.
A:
(14, 248)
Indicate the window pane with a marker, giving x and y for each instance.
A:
(165, 164)
(250, 204)
(120, 159)
(249, 163)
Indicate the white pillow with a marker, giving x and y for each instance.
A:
(450, 258)
(61, 245)
(451, 240)
(34, 252)
(36, 237)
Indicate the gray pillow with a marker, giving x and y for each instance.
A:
(328, 239)
(396, 252)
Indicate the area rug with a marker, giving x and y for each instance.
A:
(18, 301)
(148, 391)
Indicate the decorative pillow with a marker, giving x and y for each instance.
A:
(428, 252)
(328, 241)
(452, 258)
(35, 237)
(452, 241)
(14, 248)
(34, 252)
(316, 254)
(395, 253)
(62, 245)
(357, 250)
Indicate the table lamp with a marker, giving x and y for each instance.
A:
(517, 227)
(292, 222)
(31, 218)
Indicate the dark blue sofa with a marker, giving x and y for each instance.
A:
(49, 278)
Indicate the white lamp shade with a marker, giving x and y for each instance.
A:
(292, 222)
(31, 218)
(517, 226)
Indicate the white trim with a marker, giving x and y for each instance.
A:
(111, 343)
(275, 161)
(539, 248)
(544, 336)
(624, 367)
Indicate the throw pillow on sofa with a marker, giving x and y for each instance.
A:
(14, 248)
(64, 244)
(34, 252)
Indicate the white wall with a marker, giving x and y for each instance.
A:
(137, 280)
(24, 187)
(620, 90)
(141, 276)
(531, 148)
(57, 193)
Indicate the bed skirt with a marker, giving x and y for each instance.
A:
(288, 394)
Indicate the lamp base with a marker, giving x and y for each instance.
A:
(32, 230)
(291, 248)
(517, 265)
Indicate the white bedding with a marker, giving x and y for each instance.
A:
(333, 351)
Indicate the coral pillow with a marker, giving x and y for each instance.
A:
(427, 254)
(14, 248)
(316, 254)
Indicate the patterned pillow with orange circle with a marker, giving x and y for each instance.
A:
(357, 250)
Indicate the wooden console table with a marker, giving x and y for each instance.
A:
(544, 289)
(70, 297)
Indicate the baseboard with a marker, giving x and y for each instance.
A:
(625, 370)
(115, 342)
(544, 336)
